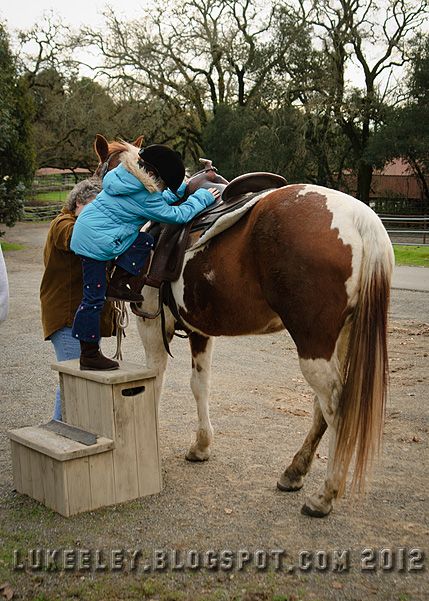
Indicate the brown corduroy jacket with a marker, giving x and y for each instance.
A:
(61, 287)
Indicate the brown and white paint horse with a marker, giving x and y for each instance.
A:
(318, 263)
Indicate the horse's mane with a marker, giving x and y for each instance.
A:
(118, 146)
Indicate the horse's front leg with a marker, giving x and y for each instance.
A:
(202, 349)
(150, 331)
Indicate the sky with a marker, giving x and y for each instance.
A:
(22, 14)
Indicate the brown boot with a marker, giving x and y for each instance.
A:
(92, 358)
(119, 289)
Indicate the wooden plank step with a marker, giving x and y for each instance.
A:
(127, 372)
(72, 432)
(58, 447)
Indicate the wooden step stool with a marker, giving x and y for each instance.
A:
(120, 463)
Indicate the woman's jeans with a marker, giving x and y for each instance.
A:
(66, 347)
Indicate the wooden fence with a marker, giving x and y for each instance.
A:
(41, 212)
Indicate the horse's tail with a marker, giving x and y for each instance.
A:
(363, 398)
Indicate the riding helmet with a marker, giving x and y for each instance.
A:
(165, 162)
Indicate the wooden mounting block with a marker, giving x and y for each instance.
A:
(123, 464)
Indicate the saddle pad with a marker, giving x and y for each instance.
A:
(227, 220)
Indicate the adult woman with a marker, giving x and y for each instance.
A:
(61, 286)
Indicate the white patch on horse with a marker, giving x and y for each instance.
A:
(210, 276)
(357, 226)
(325, 378)
(228, 220)
(151, 335)
(178, 288)
(200, 386)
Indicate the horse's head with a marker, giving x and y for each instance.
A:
(109, 153)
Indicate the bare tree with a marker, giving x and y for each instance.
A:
(193, 55)
(47, 45)
(368, 42)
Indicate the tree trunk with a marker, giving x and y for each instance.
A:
(364, 178)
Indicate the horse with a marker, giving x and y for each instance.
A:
(318, 263)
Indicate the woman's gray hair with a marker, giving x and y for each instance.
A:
(83, 193)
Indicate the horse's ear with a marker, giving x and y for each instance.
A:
(138, 141)
(101, 147)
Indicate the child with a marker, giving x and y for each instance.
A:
(109, 228)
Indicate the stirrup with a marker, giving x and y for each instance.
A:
(140, 313)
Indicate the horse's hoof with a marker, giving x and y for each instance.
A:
(195, 455)
(285, 484)
(315, 512)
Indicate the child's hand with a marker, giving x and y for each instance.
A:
(215, 192)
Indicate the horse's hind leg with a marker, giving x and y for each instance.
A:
(293, 477)
(202, 349)
(325, 378)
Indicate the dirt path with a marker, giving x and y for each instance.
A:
(261, 411)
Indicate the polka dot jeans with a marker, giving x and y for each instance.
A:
(86, 325)
(133, 259)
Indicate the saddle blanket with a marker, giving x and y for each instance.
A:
(228, 219)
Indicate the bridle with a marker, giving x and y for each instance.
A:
(103, 168)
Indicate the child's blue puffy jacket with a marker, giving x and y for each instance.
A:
(109, 225)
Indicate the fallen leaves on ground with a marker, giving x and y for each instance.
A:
(6, 591)
(297, 412)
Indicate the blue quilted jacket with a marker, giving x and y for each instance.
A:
(109, 225)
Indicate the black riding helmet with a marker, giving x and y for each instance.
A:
(165, 162)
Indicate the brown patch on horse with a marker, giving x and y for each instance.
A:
(282, 259)
(198, 346)
(303, 267)
(198, 343)
(231, 303)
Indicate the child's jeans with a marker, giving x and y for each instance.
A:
(66, 347)
(86, 325)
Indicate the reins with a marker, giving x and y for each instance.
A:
(122, 321)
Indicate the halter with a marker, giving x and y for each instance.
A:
(104, 167)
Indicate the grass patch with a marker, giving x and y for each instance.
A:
(11, 246)
(415, 256)
(55, 196)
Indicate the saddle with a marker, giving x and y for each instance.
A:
(173, 240)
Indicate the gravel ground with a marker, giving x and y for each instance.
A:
(261, 411)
